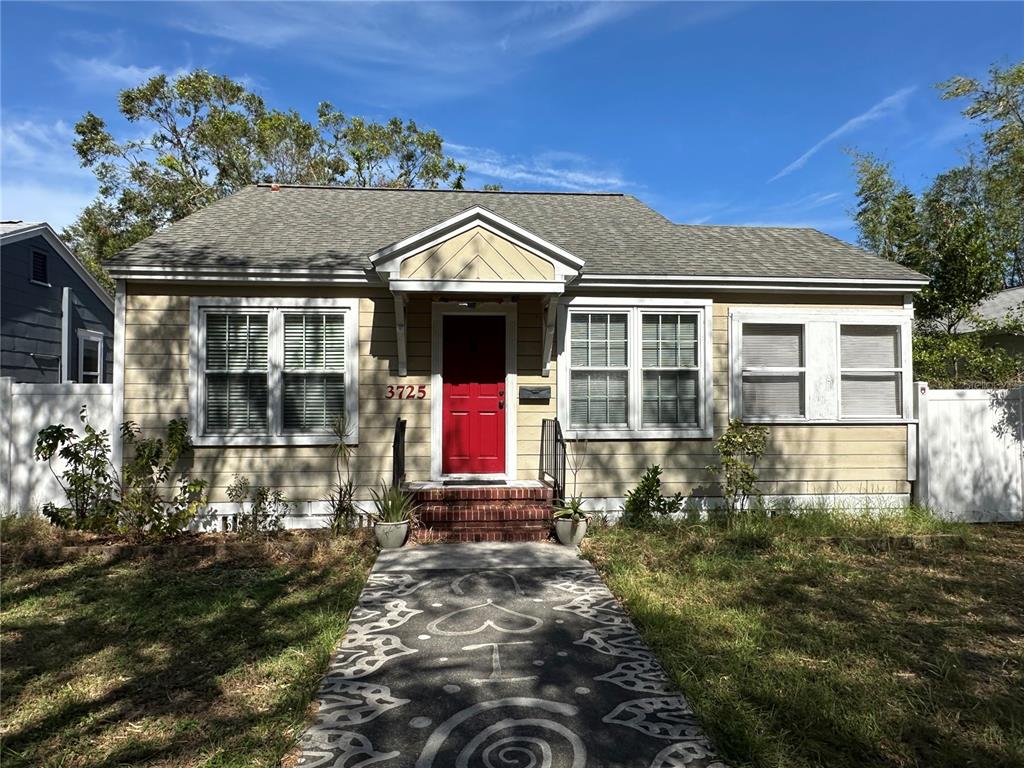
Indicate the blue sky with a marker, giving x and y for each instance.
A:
(733, 113)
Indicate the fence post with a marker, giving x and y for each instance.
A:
(6, 442)
(922, 494)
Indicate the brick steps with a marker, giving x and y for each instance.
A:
(484, 513)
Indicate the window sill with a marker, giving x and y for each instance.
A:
(42, 284)
(270, 440)
(689, 433)
(792, 421)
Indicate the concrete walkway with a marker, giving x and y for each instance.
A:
(496, 656)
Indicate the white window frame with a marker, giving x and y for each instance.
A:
(84, 336)
(635, 308)
(902, 370)
(275, 308)
(822, 371)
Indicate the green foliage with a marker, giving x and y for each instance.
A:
(341, 496)
(88, 480)
(147, 468)
(573, 510)
(260, 510)
(203, 136)
(966, 360)
(99, 500)
(393, 505)
(739, 449)
(645, 504)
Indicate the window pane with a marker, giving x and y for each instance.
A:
(598, 399)
(874, 394)
(669, 341)
(90, 357)
(766, 396)
(772, 345)
(579, 325)
(236, 342)
(313, 401)
(598, 340)
(236, 402)
(870, 346)
(670, 398)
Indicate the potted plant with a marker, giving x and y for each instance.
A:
(571, 522)
(393, 517)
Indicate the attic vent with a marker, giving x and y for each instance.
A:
(39, 271)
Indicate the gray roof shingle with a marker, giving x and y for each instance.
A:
(616, 234)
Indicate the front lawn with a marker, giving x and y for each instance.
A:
(796, 651)
(154, 662)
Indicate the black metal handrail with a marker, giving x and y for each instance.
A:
(552, 457)
(398, 454)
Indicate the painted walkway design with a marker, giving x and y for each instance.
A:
(496, 656)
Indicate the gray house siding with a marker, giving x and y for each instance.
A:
(31, 315)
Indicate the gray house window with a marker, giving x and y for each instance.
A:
(39, 270)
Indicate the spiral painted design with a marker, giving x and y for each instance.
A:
(516, 746)
(511, 749)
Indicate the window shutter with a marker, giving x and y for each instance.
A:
(772, 345)
(39, 270)
(871, 394)
(870, 346)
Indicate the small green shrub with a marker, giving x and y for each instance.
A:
(393, 505)
(341, 496)
(645, 504)
(266, 507)
(572, 510)
(739, 448)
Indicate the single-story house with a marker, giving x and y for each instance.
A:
(56, 320)
(485, 321)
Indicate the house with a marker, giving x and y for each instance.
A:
(56, 320)
(486, 321)
(1001, 307)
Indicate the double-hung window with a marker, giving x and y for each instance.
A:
(90, 356)
(273, 371)
(633, 370)
(819, 365)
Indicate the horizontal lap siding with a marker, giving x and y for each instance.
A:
(803, 459)
(800, 460)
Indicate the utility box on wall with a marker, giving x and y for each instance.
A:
(535, 394)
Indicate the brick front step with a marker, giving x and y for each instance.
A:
(484, 513)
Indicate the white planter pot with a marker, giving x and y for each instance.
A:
(571, 532)
(391, 535)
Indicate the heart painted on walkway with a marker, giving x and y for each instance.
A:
(477, 618)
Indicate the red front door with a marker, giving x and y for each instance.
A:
(473, 416)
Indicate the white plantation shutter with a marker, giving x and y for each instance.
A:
(598, 364)
(236, 373)
(772, 382)
(872, 380)
(669, 356)
(314, 370)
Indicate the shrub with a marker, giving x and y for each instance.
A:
(89, 480)
(143, 507)
(341, 496)
(739, 448)
(644, 504)
(393, 505)
(266, 507)
(100, 501)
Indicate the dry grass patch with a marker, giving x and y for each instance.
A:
(153, 662)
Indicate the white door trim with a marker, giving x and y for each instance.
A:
(508, 310)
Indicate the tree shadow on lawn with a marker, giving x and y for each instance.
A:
(152, 661)
(850, 659)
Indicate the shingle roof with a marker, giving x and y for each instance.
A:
(10, 227)
(616, 234)
(998, 306)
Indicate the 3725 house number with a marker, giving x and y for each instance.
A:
(405, 392)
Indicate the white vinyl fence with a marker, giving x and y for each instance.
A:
(26, 484)
(971, 452)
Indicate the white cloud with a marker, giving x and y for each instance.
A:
(40, 148)
(887, 106)
(103, 72)
(547, 170)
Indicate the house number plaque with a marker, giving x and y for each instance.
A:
(405, 392)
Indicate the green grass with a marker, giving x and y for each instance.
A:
(201, 662)
(796, 652)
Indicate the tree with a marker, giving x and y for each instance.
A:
(206, 136)
(886, 213)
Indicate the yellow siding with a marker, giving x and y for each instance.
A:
(802, 459)
(477, 254)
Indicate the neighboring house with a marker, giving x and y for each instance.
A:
(477, 316)
(1001, 308)
(56, 320)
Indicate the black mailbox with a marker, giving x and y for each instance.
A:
(534, 394)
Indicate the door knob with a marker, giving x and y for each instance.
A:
(501, 405)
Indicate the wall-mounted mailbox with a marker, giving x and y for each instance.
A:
(534, 394)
